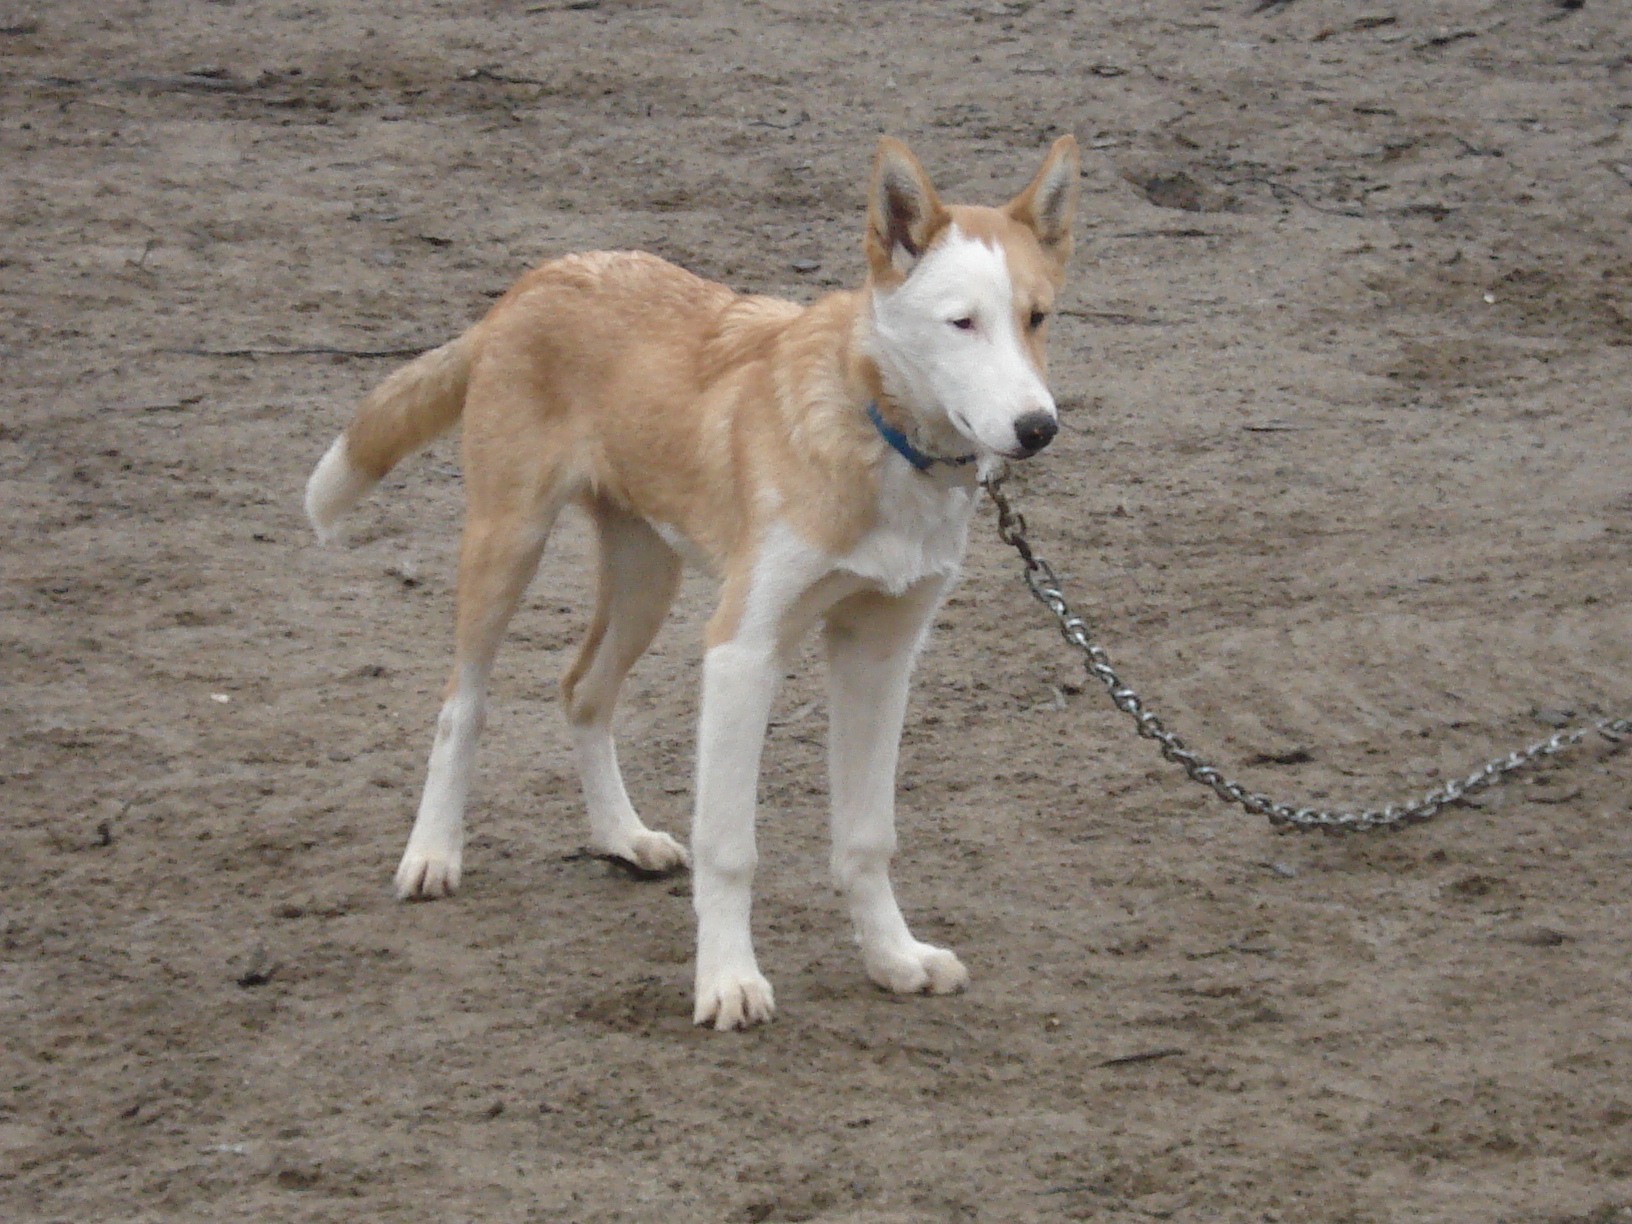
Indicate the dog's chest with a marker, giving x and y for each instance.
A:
(921, 531)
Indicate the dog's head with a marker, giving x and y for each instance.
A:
(960, 299)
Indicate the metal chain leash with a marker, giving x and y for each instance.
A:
(1045, 588)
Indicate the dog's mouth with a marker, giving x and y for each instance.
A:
(1027, 451)
(1032, 434)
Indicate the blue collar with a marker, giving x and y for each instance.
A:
(898, 442)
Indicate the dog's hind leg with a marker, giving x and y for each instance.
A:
(872, 641)
(505, 531)
(638, 577)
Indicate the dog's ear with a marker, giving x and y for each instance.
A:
(903, 212)
(1049, 205)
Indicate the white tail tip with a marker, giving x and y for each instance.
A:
(335, 487)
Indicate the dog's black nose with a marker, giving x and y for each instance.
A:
(1034, 431)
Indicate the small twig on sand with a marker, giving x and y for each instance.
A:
(1145, 1056)
(1081, 1187)
(801, 117)
(170, 405)
(1250, 949)
(1281, 190)
(313, 351)
(619, 864)
(489, 74)
(1116, 317)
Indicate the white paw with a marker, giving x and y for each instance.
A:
(424, 877)
(651, 851)
(731, 1002)
(918, 969)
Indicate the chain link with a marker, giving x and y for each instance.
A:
(1045, 588)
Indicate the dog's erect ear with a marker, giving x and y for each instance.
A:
(903, 212)
(1049, 205)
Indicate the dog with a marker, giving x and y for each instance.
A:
(821, 461)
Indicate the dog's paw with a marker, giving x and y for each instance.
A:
(732, 1002)
(918, 969)
(425, 877)
(650, 852)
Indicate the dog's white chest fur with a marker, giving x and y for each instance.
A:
(921, 532)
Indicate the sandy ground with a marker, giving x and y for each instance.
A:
(1345, 485)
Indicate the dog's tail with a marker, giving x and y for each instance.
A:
(419, 402)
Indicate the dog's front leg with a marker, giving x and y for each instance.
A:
(740, 680)
(872, 641)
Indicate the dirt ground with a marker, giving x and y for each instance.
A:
(1345, 485)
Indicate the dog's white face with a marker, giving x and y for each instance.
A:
(958, 342)
(960, 298)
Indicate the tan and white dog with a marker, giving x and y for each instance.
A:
(821, 461)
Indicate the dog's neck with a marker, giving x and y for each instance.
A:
(902, 445)
(928, 443)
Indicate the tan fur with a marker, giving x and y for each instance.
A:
(894, 216)
(617, 379)
(419, 402)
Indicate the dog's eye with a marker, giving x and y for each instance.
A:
(1038, 318)
(966, 323)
